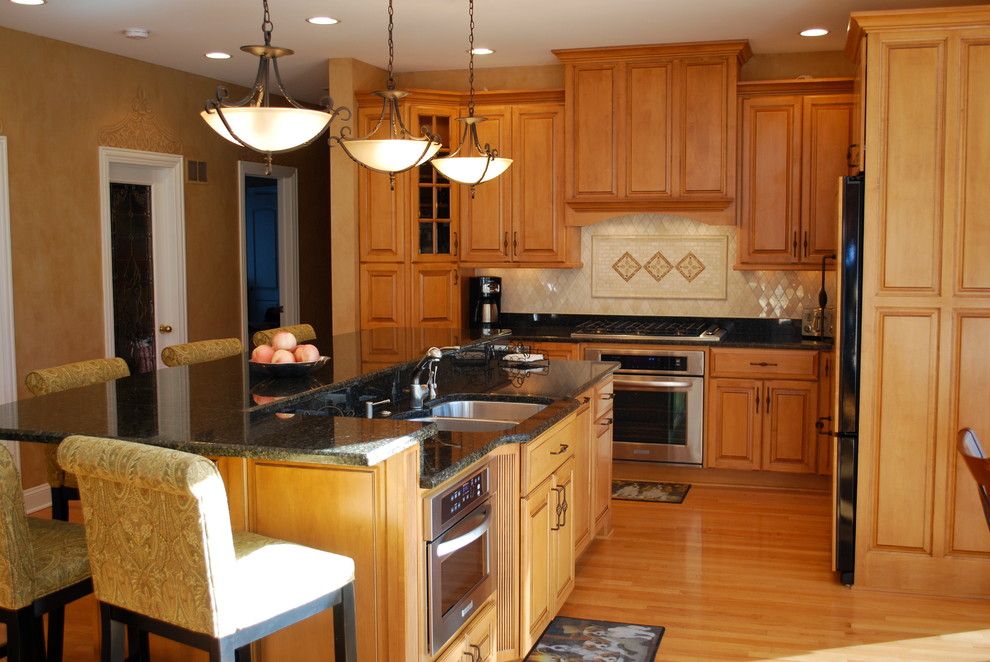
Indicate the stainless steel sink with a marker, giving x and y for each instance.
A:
(479, 415)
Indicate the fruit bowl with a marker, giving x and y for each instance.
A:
(287, 370)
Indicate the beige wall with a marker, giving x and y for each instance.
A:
(57, 101)
(819, 64)
(549, 77)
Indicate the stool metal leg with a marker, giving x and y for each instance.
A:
(344, 628)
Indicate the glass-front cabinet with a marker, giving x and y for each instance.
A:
(434, 198)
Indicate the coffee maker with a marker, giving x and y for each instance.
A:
(485, 302)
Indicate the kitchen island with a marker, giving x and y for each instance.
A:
(301, 462)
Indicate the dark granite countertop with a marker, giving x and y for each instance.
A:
(221, 408)
(742, 332)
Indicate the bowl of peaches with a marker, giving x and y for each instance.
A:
(286, 358)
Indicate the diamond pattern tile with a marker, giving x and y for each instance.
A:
(658, 266)
(690, 267)
(627, 266)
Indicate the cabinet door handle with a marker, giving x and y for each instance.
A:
(455, 244)
(563, 447)
(505, 243)
(558, 509)
(607, 396)
(515, 243)
(456, 277)
(806, 253)
(852, 155)
(758, 401)
(607, 421)
(768, 399)
(763, 364)
(828, 365)
(794, 244)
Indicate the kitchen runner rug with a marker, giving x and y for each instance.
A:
(583, 640)
(644, 490)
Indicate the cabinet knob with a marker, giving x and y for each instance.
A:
(165, 328)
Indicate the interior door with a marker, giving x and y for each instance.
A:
(261, 244)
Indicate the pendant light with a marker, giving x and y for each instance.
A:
(486, 164)
(398, 151)
(253, 122)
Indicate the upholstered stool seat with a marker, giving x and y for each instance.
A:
(165, 560)
(44, 567)
(302, 332)
(201, 351)
(62, 378)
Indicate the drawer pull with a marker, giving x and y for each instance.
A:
(585, 400)
(563, 447)
(608, 396)
(763, 364)
(607, 421)
(475, 652)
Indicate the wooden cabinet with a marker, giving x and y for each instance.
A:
(518, 218)
(757, 420)
(651, 128)
(477, 642)
(601, 465)
(793, 149)
(924, 365)
(383, 295)
(382, 209)
(435, 295)
(433, 199)
(556, 350)
(584, 459)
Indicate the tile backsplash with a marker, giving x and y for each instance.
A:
(772, 294)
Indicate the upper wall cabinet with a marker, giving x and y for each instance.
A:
(795, 141)
(651, 128)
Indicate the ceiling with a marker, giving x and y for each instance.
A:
(429, 34)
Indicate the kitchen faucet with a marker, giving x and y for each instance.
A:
(419, 391)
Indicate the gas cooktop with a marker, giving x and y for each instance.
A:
(663, 329)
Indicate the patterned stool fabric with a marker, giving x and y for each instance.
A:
(201, 351)
(302, 332)
(162, 551)
(43, 560)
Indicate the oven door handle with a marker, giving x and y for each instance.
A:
(448, 547)
(649, 385)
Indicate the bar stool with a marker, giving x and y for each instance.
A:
(302, 332)
(44, 568)
(979, 465)
(63, 378)
(165, 560)
(201, 351)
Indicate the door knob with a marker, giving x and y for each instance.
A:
(165, 328)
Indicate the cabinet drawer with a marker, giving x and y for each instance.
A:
(480, 635)
(544, 454)
(772, 363)
(604, 394)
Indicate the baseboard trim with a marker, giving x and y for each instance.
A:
(673, 473)
(37, 498)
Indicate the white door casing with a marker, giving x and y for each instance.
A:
(8, 370)
(288, 240)
(163, 172)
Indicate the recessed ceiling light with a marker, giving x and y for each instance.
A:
(481, 51)
(136, 33)
(28, 2)
(814, 32)
(322, 20)
(218, 55)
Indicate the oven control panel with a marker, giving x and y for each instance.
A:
(454, 502)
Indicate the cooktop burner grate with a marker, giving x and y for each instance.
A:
(648, 329)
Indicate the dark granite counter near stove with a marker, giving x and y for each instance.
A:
(742, 332)
(219, 408)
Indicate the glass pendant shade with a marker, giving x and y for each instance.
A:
(471, 169)
(269, 128)
(391, 155)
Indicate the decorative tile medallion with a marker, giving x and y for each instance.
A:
(658, 266)
(626, 266)
(690, 267)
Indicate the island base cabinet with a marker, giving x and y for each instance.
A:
(601, 489)
(477, 643)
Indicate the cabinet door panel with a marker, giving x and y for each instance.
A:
(383, 295)
(381, 210)
(563, 530)
(485, 222)
(705, 152)
(537, 181)
(435, 295)
(593, 131)
(434, 200)
(771, 180)
(581, 508)
(536, 599)
(827, 121)
(602, 488)
(647, 129)
(789, 436)
(734, 424)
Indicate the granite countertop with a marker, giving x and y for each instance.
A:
(742, 332)
(221, 408)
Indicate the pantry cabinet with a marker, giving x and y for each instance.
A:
(794, 140)
(382, 207)
(651, 128)
(435, 300)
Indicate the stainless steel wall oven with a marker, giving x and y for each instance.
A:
(458, 556)
(659, 403)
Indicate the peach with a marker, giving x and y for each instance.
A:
(284, 340)
(283, 356)
(307, 353)
(262, 354)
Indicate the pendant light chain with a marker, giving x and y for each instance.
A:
(266, 25)
(391, 46)
(471, 58)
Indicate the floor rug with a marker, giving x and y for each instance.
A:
(644, 490)
(582, 640)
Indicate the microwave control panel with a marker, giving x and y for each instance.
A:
(459, 498)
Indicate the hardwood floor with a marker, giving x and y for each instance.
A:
(744, 573)
(733, 574)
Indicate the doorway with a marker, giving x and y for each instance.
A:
(144, 273)
(269, 247)
(8, 372)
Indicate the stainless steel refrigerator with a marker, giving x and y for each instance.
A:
(846, 412)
